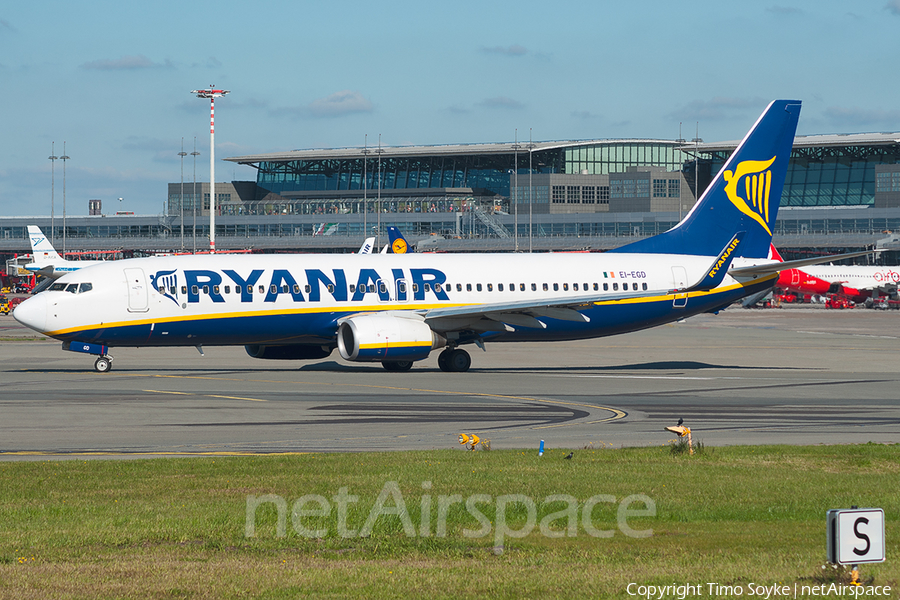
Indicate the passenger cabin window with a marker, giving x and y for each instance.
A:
(469, 287)
(195, 290)
(227, 289)
(575, 286)
(545, 287)
(533, 287)
(352, 288)
(330, 288)
(459, 287)
(249, 289)
(183, 289)
(605, 287)
(296, 288)
(206, 289)
(427, 287)
(634, 286)
(522, 287)
(555, 287)
(596, 287)
(644, 285)
(262, 289)
(285, 288)
(490, 287)
(383, 288)
(216, 290)
(478, 287)
(499, 287)
(615, 287)
(585, 288)
(308, 289)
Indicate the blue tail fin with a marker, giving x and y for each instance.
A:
(398, 242)
(744, 196)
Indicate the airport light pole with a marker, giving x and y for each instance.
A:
(53, 158)
(195, 154)
(182, 154)
(212, 93)
(365, 230)
(530, 191)
(516, 190)
(64, 158)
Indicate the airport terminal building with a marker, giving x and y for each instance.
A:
(841, 191)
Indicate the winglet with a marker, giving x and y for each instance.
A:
(716, 273)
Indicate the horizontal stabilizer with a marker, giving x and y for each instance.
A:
(777, 267)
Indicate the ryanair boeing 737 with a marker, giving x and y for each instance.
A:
(397, 308)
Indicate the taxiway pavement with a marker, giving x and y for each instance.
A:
(794, 376)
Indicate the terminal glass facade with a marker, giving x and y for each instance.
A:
(489, 172)
(829, 175)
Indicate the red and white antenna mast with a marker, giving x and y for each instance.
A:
(212, 93)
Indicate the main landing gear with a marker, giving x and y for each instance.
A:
(454, 360)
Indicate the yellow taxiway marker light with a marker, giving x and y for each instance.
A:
(682, 431)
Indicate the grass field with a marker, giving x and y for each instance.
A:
(177, 528)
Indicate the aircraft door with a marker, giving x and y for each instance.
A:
(401, 290)
(795, 276)
(679, 282)
(138, 295)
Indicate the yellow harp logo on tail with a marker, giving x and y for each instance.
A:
(757, 183)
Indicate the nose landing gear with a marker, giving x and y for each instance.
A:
(103, 364)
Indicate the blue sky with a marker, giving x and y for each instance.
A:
(112, 80)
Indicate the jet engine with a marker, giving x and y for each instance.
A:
(386, 337)
(292, 352)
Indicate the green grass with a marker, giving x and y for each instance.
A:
(175, 528)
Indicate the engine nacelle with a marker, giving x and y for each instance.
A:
(385, 337)
(292, 352)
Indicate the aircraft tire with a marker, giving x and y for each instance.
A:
(454, 361)
(102, 365)
(397, 365)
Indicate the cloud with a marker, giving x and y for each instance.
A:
(339, 104)
(893, 6)
(501, 102)
(784, 10)
(514, 50)
(126, 63)
(856, 118)
(715, 109)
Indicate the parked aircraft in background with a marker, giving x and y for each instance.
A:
(396, 309)
(47, 262)
(856, 282)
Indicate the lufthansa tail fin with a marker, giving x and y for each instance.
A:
(41, 247)
(399, 244)
(743, 196)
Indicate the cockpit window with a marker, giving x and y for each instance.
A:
(72, 288)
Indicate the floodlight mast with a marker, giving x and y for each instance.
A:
(212, 93)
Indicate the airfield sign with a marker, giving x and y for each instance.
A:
(855, 536)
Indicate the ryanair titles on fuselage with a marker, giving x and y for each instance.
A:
(310, 286)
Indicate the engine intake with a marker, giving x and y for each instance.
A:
(381, 337)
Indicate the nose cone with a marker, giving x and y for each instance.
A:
(33, 313)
